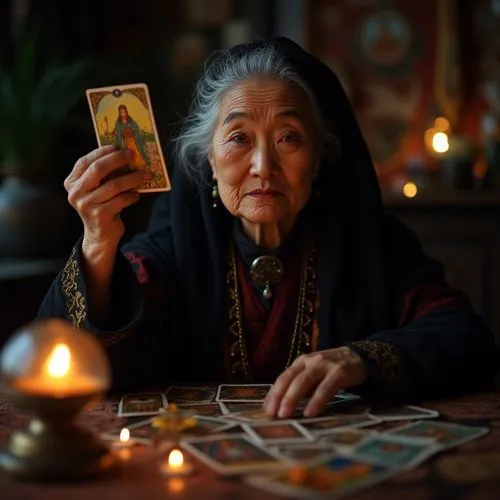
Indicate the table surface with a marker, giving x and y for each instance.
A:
(447, 476)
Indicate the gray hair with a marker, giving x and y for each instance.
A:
(194, 141)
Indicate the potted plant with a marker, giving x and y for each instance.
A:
(36, 101)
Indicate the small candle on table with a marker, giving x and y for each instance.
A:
(123, 444)
(124, 441)
(175, 465)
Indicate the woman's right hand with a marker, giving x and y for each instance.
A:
(99, 204)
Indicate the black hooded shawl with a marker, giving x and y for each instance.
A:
(368, 262)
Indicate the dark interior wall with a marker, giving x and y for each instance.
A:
(128, 43)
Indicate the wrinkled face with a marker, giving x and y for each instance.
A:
(264, 154)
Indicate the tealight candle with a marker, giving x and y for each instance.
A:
(124, 440)
(175, 465)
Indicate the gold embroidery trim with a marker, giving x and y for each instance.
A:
(76, 304)
(302, 338)
(388, 359)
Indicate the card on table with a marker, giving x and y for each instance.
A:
(209, 425)
(230, 408)
(305, 452)
(242, 393)
(233, 454)
(346, 407)
(402, 412)
(132, 405)
(395, 451)
(346, 439)
(277, 432)
(179, 394)
(203, 409)
(123, 116)
(330, 479)
(447, 435)
(325, 425)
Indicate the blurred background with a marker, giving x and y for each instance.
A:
(423, 78)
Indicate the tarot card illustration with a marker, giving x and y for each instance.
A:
(123, 116)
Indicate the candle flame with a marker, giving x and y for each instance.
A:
(124, 435)
(176, 458)
(59, 361)
(440, 142)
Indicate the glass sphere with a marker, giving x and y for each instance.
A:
(50, 358)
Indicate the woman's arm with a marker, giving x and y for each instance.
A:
(441, 347)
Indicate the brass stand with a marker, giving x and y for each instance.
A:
(52, 447)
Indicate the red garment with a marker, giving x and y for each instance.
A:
(268, 334)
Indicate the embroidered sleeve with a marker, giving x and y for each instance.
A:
(71, 286)
(127, 306)
(385, 364)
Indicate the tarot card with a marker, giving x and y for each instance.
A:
(347, 395)
(242, 393)
(329, 479)
(447, 435)
(233, 454)
(132, 405)
(401, 452)
(230, 408)
(325, 425)
(178, 394)
(209, 425)
(278, 432)
(203, 409)
(258, 415)
(123, 116)
(345, 407)
(305, 452)
(402, 412)
(345, 439)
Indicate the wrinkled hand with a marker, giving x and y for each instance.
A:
(99, 204)
(319, 375)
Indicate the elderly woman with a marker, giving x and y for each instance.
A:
(271, 260)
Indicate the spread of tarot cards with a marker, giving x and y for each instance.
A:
(123, 116)
(348, 447)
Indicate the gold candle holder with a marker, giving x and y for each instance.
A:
(51, 371)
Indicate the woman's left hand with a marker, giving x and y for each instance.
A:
(319, 374)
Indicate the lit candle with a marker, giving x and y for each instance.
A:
(123, 445)
(57, 377)
(124, 440)
(175, 465)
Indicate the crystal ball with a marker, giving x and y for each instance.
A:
(51, 358)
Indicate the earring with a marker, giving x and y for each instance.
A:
(215, 196)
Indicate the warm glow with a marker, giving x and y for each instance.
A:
(175, 485)
(441, 124)
(124, 435)
(440, 142)
(59, 361)
(176, 459)
(410, 190)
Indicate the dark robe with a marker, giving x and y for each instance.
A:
(378, 292)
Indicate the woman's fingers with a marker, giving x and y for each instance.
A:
(118, 185)
(273, 399)
(301, 386)
(99, 217)
(100, 168)
(324, 392)
(84, 162)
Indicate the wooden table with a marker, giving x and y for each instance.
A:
(138, 479)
